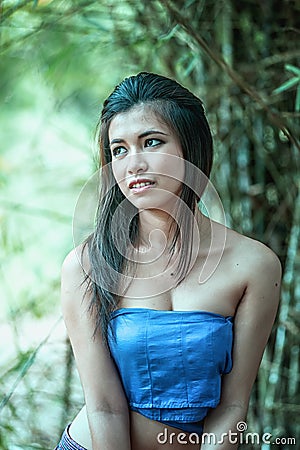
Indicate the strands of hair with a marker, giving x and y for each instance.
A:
(183, 112)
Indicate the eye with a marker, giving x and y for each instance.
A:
(119, 151)
(152, 142)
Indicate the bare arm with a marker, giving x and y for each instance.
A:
(106, 403)
(252, 327)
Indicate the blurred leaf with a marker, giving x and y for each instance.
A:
(295, 70)
(297, 101)
(287, 85)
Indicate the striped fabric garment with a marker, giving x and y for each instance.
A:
(67, 443)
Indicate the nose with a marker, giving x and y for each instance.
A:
(137, 163)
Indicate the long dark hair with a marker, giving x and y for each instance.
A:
(183, 112)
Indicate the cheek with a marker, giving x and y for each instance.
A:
(117, 173)
(174, 168)
(114, 171)
(120, 180)
(181, 171)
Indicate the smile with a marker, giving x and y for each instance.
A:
(141, 185)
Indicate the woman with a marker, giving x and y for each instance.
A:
(168, 312)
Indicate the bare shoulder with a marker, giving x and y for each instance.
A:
(254, 257)
(260, 269)
(76, 262)
(74, 280)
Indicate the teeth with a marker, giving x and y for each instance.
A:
(139, 185)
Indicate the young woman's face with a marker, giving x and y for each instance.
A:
(147, 160)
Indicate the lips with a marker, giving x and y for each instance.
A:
(140, 183)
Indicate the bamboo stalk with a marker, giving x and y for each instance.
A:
(274, 117)
(287, 279)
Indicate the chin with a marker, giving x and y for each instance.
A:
(159, 204)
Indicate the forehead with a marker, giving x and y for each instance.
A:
(135, 121)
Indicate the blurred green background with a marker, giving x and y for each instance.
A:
(58, 61)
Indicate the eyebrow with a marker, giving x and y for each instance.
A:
(144, 134)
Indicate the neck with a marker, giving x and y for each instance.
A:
(154, 229)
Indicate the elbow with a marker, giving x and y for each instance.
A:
(239, 405)
(108, 409)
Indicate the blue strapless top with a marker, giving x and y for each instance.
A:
(171, 362)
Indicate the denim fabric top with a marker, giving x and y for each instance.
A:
(171, 362)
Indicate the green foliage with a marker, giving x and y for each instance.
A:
(294, 81)
(58, 62)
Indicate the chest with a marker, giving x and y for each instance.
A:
(216, 286)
